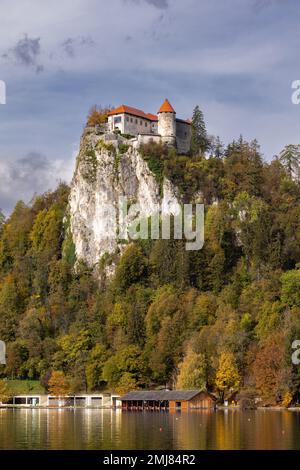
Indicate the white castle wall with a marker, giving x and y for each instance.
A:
(132, 124)
(167, 125)
(168, 129)
(146, 139)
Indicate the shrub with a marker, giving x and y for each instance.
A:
(123, 148)
(154, 154)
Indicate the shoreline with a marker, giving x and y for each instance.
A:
(218, 408)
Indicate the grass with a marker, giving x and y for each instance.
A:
(24, 387)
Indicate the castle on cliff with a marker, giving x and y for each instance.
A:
(164, 126)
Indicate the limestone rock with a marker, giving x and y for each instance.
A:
(108, 169)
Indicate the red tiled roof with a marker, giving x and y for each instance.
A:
(134, 111)
(166, 107)
(153, 117)
(187, 121)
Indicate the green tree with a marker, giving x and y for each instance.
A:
(243, 169)
(10, 308)
(127, 383)
(15, 235)
(169, 263)
(217, 147)
(290, 159)
(290, 291)
(126, 360)
(2, 221)
(199, 139)
(192, 372)
(131, 268)
(94, 367)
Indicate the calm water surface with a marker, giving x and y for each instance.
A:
(114, 429)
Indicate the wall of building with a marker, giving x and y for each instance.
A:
(136, 125)
(145, 139)
(114, 124)
(103, 400)
(203, 401)
(133, 125)
(183, 136)
(184, 405)
(171, 130)
(30, 400)
(167, 125)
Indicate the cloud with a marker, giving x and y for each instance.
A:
(160, 4)
(236, 59)
(33, 173)
(71, 45)
(26, 52)
(261, 4)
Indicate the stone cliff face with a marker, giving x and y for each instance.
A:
(109, 168)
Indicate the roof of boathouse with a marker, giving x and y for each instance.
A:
(162, 395)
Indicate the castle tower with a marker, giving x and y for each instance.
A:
(167, 122)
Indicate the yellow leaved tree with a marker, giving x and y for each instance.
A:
(5, 394)
(227, 376)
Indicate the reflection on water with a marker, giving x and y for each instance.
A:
(114, 429)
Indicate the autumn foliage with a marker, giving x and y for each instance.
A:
(58, 385)
(222, 318)
(98, 115)
(227, 375)
(5, 394)
(271, 375)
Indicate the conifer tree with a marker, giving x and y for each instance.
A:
(218, 148)
(2, 220)
(199, 140)
(290, 159)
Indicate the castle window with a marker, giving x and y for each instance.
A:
(136, 121)
(127, 118)
(146, 124)
(131, 119)
(117, 119)
(141, 123)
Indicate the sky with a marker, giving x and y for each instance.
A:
(237, 59)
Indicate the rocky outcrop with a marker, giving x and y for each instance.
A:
(109, 170)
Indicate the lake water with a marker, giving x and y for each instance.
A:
(114, 429)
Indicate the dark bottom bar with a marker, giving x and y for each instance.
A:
(136, 459)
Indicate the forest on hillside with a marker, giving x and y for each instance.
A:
(222, 318)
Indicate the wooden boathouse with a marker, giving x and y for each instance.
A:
(164, 400)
